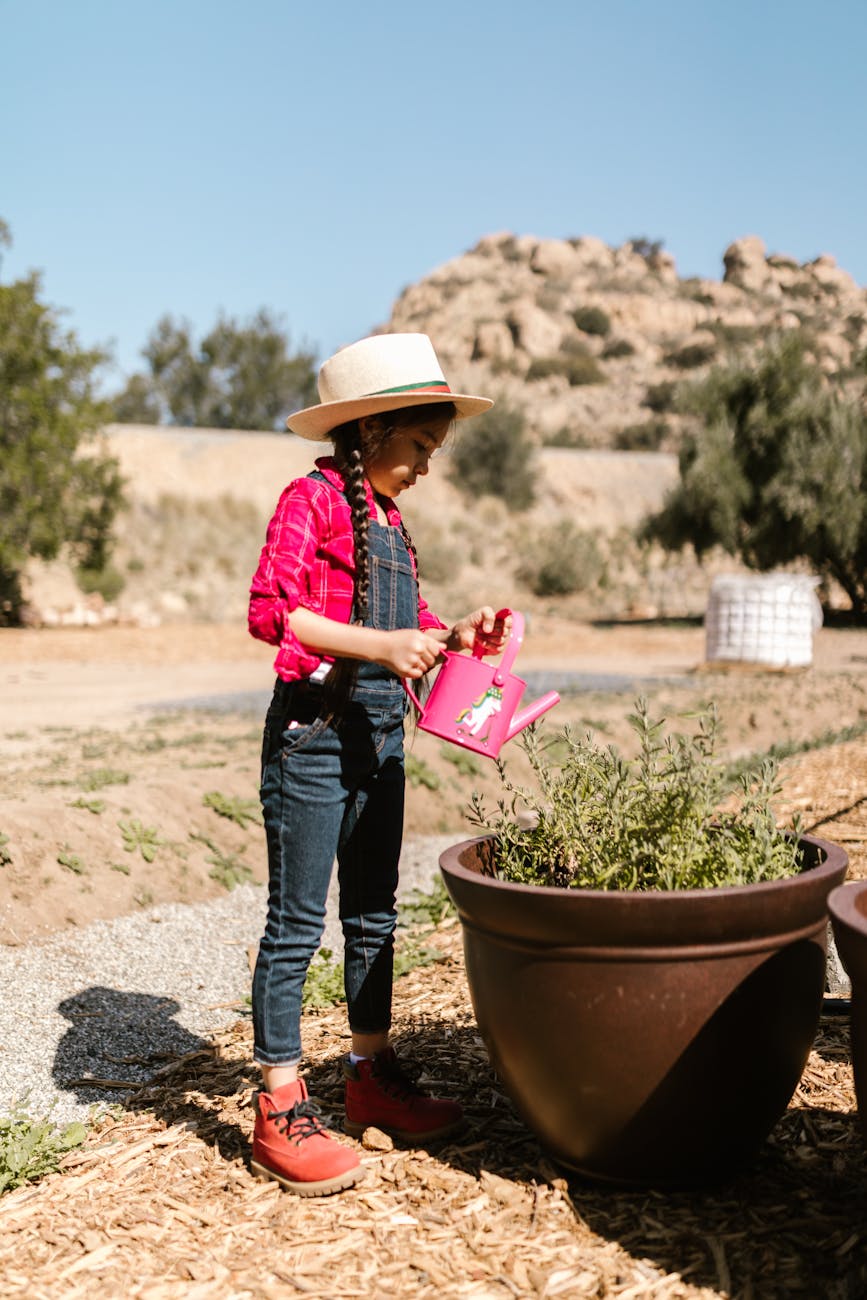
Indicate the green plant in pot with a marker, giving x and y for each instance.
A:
(645, 952)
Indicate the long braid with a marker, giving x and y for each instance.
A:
(349, 459)
(356, 494)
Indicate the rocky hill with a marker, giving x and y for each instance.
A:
(591, 340)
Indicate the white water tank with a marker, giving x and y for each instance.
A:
(766, 618)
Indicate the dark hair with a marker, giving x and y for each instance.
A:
(354, 449)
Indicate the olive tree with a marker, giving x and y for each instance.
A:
(776, 471)
(239, 376)
(54, 492)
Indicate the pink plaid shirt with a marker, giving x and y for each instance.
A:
(308, 560)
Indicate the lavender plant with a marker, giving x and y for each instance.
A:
(664, 820)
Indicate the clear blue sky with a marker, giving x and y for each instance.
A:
(193, 156)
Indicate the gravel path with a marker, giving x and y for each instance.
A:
(114, 999)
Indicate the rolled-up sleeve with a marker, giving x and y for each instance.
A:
(426, 617)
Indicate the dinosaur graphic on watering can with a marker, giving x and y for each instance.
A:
(475, 704)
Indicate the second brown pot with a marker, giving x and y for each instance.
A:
(848, 908)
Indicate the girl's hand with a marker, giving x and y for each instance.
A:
(480, 628)
(409, 652)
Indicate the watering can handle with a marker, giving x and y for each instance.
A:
(412, 695)
(512, 648)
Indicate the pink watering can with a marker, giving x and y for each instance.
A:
(473, 703)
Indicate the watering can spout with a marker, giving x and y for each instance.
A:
(531, 713)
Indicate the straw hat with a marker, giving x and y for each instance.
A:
(381, 373)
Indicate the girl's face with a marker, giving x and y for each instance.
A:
(405, 454)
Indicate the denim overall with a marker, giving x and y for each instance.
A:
(335, 789)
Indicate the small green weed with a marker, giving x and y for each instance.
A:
(121, 867)
(103, 776)
(418, 908)
(409, 954)
(462, 759)
(226, 868)
(138, 836)
(31, 1148)
(241, 811)
(72, 862)
(324, 984)
(418, 772)
(5, 855)
(95, 806)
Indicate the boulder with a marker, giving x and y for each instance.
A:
(593, 252)
(537, 333)
(832, 278)
(746, 265)
(493, 342)
(662, 263)
(555, 258)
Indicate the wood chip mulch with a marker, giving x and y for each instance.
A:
(160, 1205)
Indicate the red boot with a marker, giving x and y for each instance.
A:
(379, 1094)
(292, 1146)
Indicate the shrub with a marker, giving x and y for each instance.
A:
(576, 367)
(561, 560)
(661, 397)
(494, 455)
(566, 436)
(108, 581)
(617, 348)
(647, 436)
(734, 335)
(592, 320)
(694, 290)
(690, 356)
(645, 247)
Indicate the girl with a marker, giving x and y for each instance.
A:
(336, 591)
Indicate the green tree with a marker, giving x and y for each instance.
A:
(51, 495)
(493, 455)
(777, 471)
(241, 376)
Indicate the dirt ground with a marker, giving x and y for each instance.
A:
(117, 794)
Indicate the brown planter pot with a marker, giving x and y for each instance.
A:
(647, 1039)
(848, 908)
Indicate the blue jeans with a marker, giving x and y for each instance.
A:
(329, 790)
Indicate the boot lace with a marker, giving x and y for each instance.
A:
(303, 1120)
